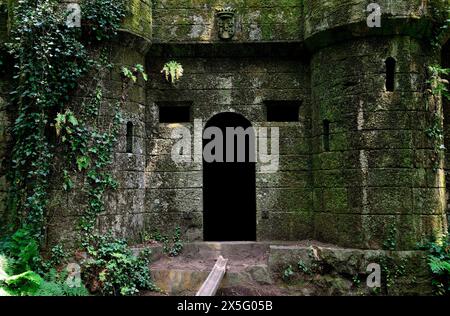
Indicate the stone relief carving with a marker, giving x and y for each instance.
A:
(226, 22)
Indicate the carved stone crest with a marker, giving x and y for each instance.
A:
(226, 22)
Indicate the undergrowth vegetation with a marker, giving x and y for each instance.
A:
(439, 263)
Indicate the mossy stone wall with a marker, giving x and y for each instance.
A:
(377, 184)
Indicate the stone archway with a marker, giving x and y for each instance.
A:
(229, 186)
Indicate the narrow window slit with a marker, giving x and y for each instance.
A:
(390, 74)
(326, 135)
(130, 137)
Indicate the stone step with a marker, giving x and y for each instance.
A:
(257, 268)
(187, 281)
(229, 250)
(185, 274)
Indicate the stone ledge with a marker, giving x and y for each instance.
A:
(318, 269)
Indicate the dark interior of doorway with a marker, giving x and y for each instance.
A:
(229, 190)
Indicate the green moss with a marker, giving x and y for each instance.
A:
(139, 18)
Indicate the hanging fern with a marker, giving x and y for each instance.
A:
(173, 71)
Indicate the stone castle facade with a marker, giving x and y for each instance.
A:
(350, 101)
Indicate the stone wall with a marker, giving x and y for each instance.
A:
(376, 184)
(256, 21)
(240, 83)
(124, 206)
(139, 19)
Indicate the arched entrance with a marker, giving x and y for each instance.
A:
(229, 181)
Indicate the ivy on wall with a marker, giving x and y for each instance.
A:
(439, 250)
(51, 59)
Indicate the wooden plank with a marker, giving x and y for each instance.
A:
(212, 283)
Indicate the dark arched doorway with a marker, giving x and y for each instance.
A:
(229, 181)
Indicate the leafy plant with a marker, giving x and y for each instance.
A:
(22, 251)
(26, 283)
(102, 18)
(438, 84)
(288, 273)
(302, 266)
(173, 71)
(30, 283)
(356, 280)
(113, 269)
(176, 246)
(439, 264)
(134, 72)
(157, 236)
(172, 246)
(439, 87)
(55, 285)
(51, 59)
(391, 241)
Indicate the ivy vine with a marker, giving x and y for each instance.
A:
(56, 138)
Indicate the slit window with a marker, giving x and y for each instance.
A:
(326, 135)
(390, 74)
(175, 112)
(129, 137)
(283, 111)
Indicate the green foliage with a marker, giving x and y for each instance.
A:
(60, 289)
(438, 83)
(50, 61)
(436, 134)
(51, 58)
(57, 257)
(30, 283)
(302, 266)
(114, 270)
(312, 266)
(391, 241)
(439, 87)
(440, 13)
(173, 71)
(133, 73)
(22, 250)
(439, 263)
(392, 270)
(55, 285)
(174, 246)
(288, 273)
(26, 283)
(356, 280)
(102, 18)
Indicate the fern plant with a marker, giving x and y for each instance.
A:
(439, 264)
(173, 71)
